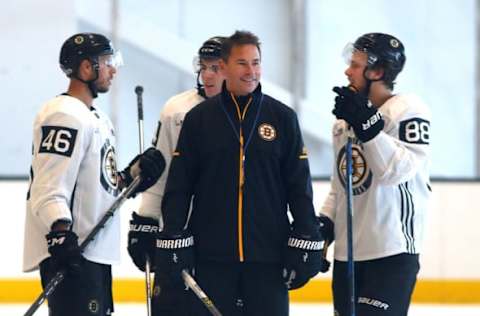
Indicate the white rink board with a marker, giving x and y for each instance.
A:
(450, 249)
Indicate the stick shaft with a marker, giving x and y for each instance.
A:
(139, 93)
(349, 193)
(148, 280)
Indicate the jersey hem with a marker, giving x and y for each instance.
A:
(373, 256)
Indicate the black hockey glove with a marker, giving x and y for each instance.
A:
(141, 240)
(353, 107)
(175, 252)
(303, 259)
(326, 228)
(149, 165)
(64, 250)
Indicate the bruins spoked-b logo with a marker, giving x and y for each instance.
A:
(361, 175)
(108, 176)
(394, 43)
(267, 132)
(78, 39)
(157, 290)
(93, 306)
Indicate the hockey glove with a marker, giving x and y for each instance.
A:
(353, 107)
(326, 228)
(149, 166)
(141, 240)
(64, 250)
(175, 252)
(303, 259)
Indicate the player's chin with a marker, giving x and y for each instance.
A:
(250, 86)
(358, 86)
(103, 89)
(211, 91)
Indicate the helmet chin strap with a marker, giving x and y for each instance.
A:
(366, 90)
(200, 89)
(91, 83)
(93, 88)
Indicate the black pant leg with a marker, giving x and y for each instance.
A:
(220, 281)
(263, 290)
(383, 286)
(87, 293)
(169, 298)
(388, 285)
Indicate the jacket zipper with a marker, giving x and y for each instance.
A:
(241, 176)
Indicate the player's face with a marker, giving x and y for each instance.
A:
(211, 76)
(106, 71)
(243, 69)
(355, 70)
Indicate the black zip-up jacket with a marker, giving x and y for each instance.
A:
(232, 222)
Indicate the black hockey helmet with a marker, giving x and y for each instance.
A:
(83, 46)
(383, 50)
(212, 48)
(87, 46)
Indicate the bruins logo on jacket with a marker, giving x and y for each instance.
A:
(267, 132)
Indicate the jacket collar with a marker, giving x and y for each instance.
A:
(242, 100)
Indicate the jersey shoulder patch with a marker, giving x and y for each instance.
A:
(415, 131)
(58, 140)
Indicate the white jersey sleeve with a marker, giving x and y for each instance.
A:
(169, 126)
(62, 141)
(73, 176)
(398, 152)
(328, 208)
(391, 189)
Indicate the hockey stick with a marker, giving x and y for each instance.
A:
(191, 283)
(349, 193)
(139, 93)
(326, 244)
(148, 280)
(58, 278)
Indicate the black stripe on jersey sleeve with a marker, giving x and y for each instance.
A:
(411, 214)
(406, 217)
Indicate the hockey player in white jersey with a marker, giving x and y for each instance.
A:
(170, 300)
(74, 180)
(391, 156)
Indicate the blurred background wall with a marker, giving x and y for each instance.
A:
(302, 42)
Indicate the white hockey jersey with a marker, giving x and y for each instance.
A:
(165, 140)
(73, 176)
(391, 187)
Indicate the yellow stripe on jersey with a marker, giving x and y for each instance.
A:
(304, 153)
